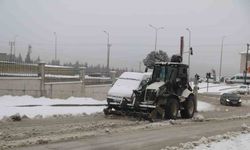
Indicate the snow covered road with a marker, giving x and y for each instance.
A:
(98, 131)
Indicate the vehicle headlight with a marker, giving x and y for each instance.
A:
(227, 100)
(240, 100)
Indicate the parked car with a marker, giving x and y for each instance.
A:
(126, 83)
(238, 78)
(243, 89)
(230, 99)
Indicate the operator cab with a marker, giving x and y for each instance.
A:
(173, 74)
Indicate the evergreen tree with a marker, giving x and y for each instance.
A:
(155, 56)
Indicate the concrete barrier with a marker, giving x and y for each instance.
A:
(97, 91)
(18, 86)
(37, 86)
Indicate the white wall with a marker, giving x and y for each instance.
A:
(31, 86)
(97, 91)
(20, 86)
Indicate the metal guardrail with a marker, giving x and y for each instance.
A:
(61, 70)
(16, 69)
(53, 73)
(19, 69)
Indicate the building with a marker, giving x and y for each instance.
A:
(3, 57)
(243, 62)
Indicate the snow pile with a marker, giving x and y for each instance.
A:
(230, 140)
(203, 106)
(33, 107)
(239, 142)
(198, 118)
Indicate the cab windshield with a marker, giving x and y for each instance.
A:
(162, 73)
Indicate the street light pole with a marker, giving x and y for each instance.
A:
(246, 66)
(156, 33)
(11, 43)
(189, 48)
(221, 53)
(55, 46)
(108, 50)
(15, 45)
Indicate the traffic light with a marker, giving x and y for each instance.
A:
(208, 75)
(191, 51)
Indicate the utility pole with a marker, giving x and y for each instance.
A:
(55, 46)
(246, 69)
(221, 53)
(140, 66)
(11, 43)
(189, 48)
(156, 33)
(15, 45)
(108, 50)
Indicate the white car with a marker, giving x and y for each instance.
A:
(243, 89)
(126, 83)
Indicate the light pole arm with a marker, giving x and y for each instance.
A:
(156, 33)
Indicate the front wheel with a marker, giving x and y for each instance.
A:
(172, 108)
(189, 108)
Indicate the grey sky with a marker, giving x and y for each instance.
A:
(80, 23)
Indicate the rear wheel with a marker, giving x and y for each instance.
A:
(171, 109)
(189, 108)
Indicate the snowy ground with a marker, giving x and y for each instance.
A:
(10, 105)
(241, 142)
(228, 141)
(217, 88)
(30, 106)
(204, 106)
(42, 106)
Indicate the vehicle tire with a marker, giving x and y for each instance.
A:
(106, 111)
(171, 109)
(221, 102)
(189, 108)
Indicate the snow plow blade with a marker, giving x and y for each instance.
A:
(139, 115)
(145, 112)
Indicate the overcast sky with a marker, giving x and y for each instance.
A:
(79, 25)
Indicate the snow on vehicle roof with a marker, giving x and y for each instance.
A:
(132, 75)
